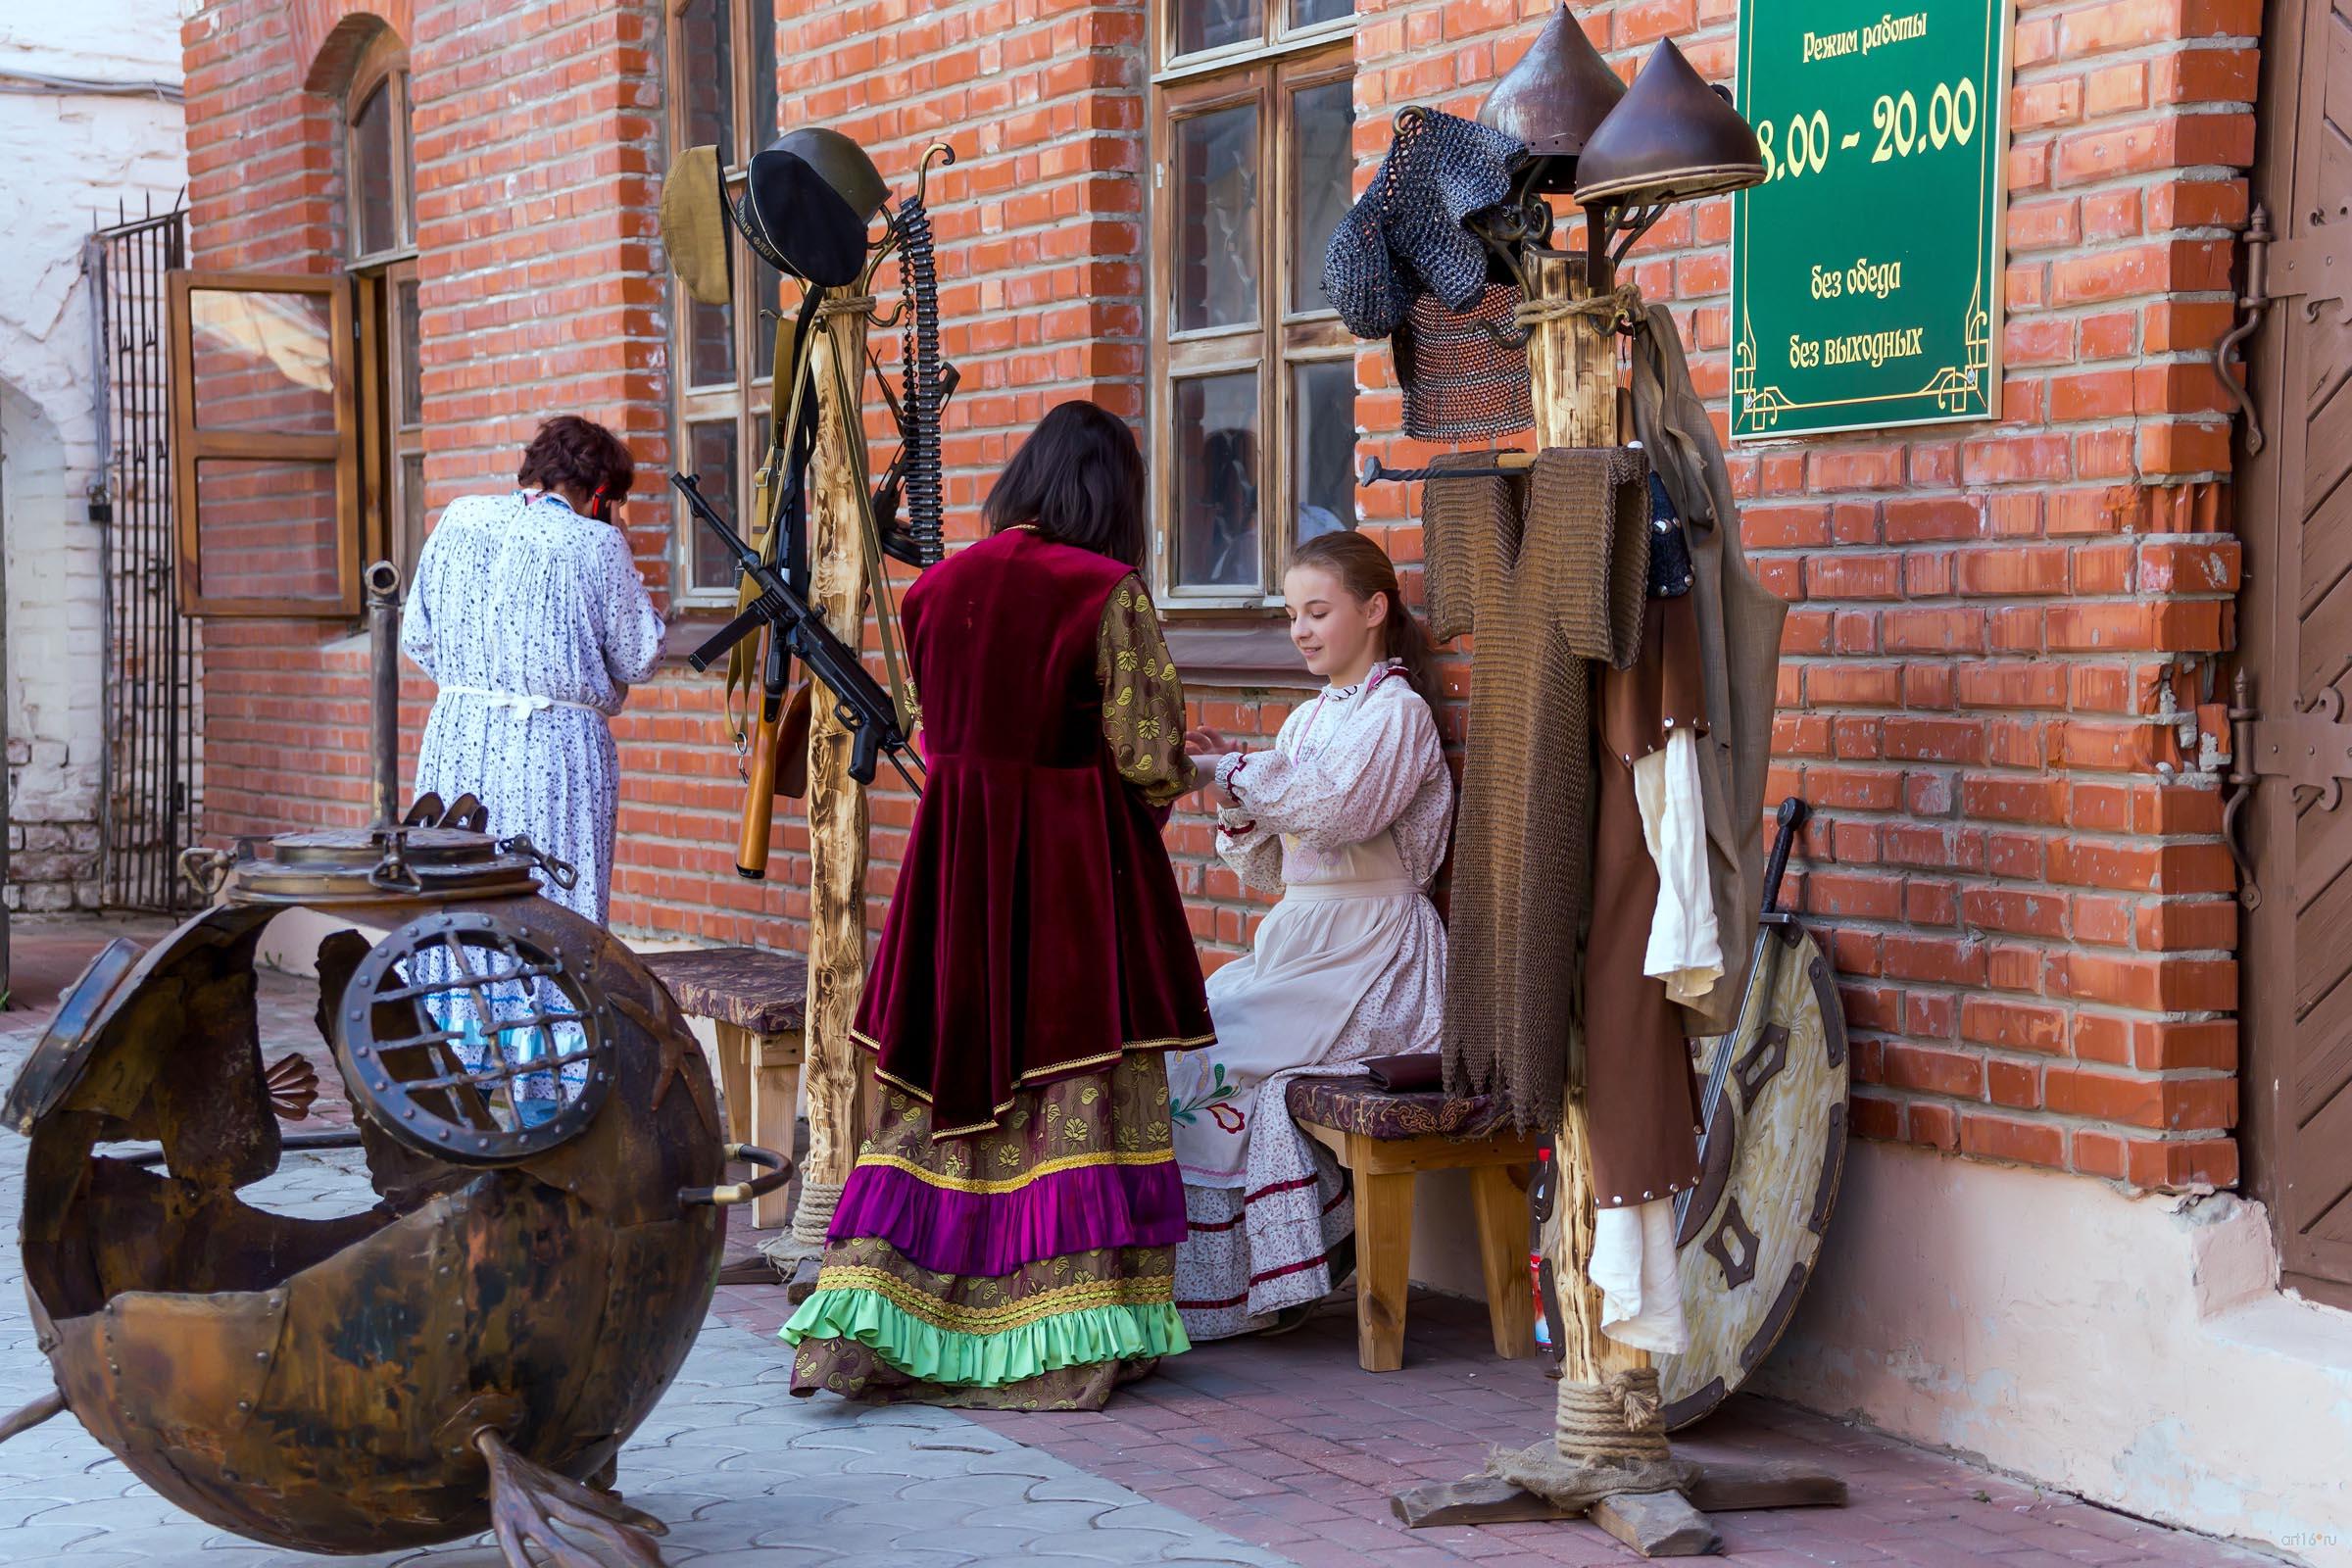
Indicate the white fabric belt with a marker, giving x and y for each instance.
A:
(521, 705)
(1326, 892)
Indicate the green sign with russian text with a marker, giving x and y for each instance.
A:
(1866, 269)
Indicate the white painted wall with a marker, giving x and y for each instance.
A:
(72, 156)
(2132, 1349)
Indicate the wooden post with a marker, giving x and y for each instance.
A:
(837, 809)
(1572, 365)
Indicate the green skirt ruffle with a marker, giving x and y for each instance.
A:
(929, 1354)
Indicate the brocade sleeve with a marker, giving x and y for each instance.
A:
(1143, 700)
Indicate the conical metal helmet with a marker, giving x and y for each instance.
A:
(1671, 139)
(806, 202)
(1558, 93)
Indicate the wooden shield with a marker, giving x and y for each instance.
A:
(1775, 1147)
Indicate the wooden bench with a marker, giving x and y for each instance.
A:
(758, 1001)
(1384, 1140)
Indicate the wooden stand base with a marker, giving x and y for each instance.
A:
(1656, 1524)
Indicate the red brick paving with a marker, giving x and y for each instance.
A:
(1287, 1443)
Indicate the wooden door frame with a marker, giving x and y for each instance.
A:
(2269, 623)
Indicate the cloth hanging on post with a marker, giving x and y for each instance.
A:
(1532, 582)
(1643, 1127)
(1738, 631)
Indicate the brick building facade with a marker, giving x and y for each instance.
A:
(2003, 634)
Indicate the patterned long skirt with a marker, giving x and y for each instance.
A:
(1027, 1268)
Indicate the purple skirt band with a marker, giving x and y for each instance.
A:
(984, 1234)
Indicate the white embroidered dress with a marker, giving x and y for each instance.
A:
(1349, 816)
(534, 623)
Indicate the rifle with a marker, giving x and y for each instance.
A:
(795, 631)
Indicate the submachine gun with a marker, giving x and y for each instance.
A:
(795, 631)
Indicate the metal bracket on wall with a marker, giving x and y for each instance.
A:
(2254, 303)
(2312, 751)
(2315, 267)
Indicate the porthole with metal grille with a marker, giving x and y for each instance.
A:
(476, 1038)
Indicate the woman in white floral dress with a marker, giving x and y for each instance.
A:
(1347, 814)
(528, 612)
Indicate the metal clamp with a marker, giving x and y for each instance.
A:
(392, 872)
(206, 869)
(563, 873)
(779, 1173)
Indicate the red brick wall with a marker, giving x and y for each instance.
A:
(2002, 629)
(1999, 631)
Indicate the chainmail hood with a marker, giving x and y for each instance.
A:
(1405, 237)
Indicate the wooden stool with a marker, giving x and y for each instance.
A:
(1384, 1140)
(758, 1000)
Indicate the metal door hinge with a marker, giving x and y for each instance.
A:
(2312, 750)
(2315, 267)
(2252, 305)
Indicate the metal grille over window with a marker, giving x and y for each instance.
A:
(476, 1039)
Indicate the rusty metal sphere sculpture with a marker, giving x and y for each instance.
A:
(545, 1148)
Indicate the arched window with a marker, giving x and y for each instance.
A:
(379, 168)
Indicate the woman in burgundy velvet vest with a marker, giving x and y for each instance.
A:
(1008, 1238)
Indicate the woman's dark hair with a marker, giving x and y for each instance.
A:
(1079, 479)
(1365, 571)
(571, 453)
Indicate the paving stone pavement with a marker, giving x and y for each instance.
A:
(1233, 1453)
(744, 1475)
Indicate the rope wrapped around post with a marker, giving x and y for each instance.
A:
(1622, 306)
(812, 1216)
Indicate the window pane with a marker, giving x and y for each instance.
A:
(709, 344)
(767, 289)
(262, 362)
(371, 174)
(1323, 446)
(1216, 219)
(710, 447)
(407, 162)
(411, 514)
(265, 528)
(1216, 481)
(1320, 117)
(411, 340)
(1306, 13)
(705, 72)
(1212, 23)
(764, 75)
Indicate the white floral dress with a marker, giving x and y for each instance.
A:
(534, 623)
(1349, 816)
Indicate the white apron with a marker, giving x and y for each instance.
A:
(1285, 1005)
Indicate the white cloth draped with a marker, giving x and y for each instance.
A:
(1634, 1268)
(1686, 950)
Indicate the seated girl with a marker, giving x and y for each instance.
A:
(1347, 816)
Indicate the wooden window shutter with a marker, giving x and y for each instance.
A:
(266, 466)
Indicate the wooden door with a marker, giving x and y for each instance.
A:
(2295, 649)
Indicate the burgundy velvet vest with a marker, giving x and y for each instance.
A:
(1036, 930)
